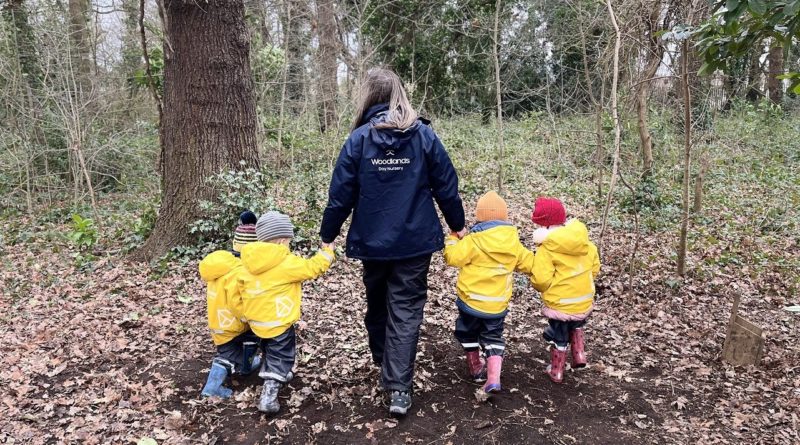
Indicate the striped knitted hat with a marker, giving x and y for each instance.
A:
(273, 225)
(246, 230)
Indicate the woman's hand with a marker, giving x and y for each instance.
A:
(461, 233)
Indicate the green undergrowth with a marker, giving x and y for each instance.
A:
(749, 159)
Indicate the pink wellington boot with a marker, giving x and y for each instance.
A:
(577, 345)
(475, 367)
(494, 364)
(558, 359)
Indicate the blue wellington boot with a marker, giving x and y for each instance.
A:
(216, 377)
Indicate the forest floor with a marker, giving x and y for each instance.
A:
(120, 353)
(98, 350)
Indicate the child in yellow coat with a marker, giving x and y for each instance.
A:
(564, 269)
(487, 257)
(237, 346)
(271, 293)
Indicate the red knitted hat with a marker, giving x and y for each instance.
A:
(548, 212)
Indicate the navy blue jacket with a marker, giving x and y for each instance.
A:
(389, 179)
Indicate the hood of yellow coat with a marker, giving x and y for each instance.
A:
(572, 239)
(260, 257)
(495, 242)
(217, 264)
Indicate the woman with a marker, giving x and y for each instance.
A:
(389, 172)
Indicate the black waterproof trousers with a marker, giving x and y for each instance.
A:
(279, 354)
(237, 354)
(396, 295)
(474, 333)
(557, 331)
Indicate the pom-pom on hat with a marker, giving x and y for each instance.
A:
(245, 232)
(248, 217)
(274, 225)
(491, 207)
(548, 212)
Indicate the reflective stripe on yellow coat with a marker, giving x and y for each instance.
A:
(564, 269)
(220, 271)
(270, 285)
(487, 260)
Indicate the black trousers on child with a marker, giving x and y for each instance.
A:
(279, 354)
(558, 331)
(396, 294)
(233, 354)
(474, 332)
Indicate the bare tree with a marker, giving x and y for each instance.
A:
(209, 122)
(614, 116)
(687, 153)
(498, 86)
(80, 43)
(652, 55)
(327, 61)
(295, 20)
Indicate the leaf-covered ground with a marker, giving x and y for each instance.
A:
(99, 350)
(120, 352)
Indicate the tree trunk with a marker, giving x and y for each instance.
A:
(654, 54)
(328, 66)
(754, 92)
(16, 15)
(614, 116)
(79, 39)
(498, 96)
(775, 85)
(131, 49)
(698, 191)
(209, 121)
(598, 117)
(295, 17)
(687, 156)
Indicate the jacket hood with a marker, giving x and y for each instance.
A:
(217, 264)
(260, 257)
(486, 225)
(495, 241)
(372, 112)
(387, 137)
(572, 239)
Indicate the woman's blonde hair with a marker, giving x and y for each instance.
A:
(384, 86)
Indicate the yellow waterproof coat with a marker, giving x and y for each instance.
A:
(271, 285)
(220, 271)
(488, 258)
(564, 269)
